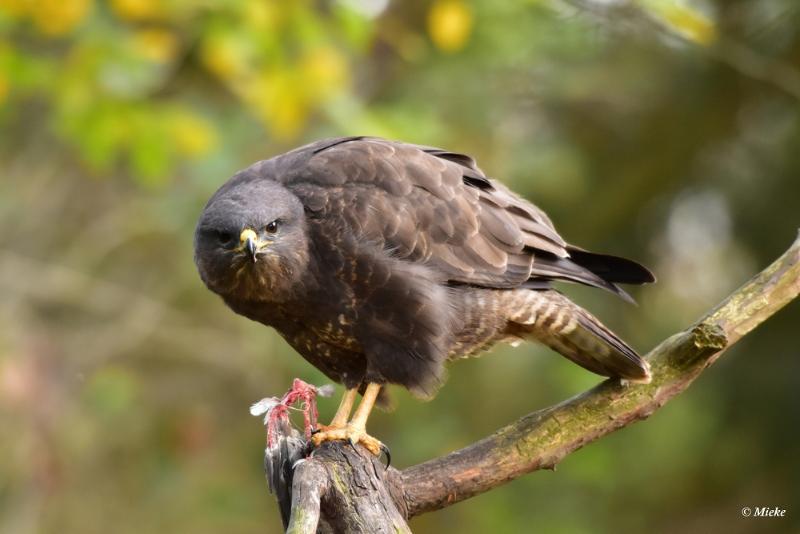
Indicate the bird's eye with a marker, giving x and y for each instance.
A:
(272, 227)
(224, 238)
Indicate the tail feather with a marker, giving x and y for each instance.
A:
(612, 268)
(551, 267)
(597, 270)
(576, 334)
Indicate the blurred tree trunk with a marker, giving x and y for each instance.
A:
(345, 490)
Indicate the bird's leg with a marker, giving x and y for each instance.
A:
(342, 412)
(359, 420)
(356, 430)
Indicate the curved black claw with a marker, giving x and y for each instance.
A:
(385, 450)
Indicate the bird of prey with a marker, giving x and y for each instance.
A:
(380, 261)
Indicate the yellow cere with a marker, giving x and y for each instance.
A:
(246, 234)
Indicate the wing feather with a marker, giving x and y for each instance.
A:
(438, 207)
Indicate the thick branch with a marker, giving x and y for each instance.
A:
(310, 482)
(541, 439)
(340, 489)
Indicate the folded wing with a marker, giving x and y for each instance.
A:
(429, 205)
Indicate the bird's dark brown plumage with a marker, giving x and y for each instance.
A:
(390, 259)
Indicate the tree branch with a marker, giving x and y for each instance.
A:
(310, 483)
(355, 495)
(781, 75)
(542, 439)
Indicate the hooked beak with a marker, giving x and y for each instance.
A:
(248, 241)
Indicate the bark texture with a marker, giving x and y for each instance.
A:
(343, 489)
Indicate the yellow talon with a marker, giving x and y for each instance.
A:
(351, 434)
(355, 431)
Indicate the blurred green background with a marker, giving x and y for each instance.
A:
(665, 130)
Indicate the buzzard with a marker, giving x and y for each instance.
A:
(380, 261)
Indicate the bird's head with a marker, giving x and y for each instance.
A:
(250, 242)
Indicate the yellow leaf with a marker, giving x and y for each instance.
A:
(156, 45)
(137, 10)
(683, 19)
(3, 89)
(279, 103)
(225, 56)
(261, 14)
(324, 72)
(288, 119)
(15, 7)
(58, 17)
(193, 135)
(450, 24)
(692, 24)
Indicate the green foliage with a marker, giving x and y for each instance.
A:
(664, 130)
